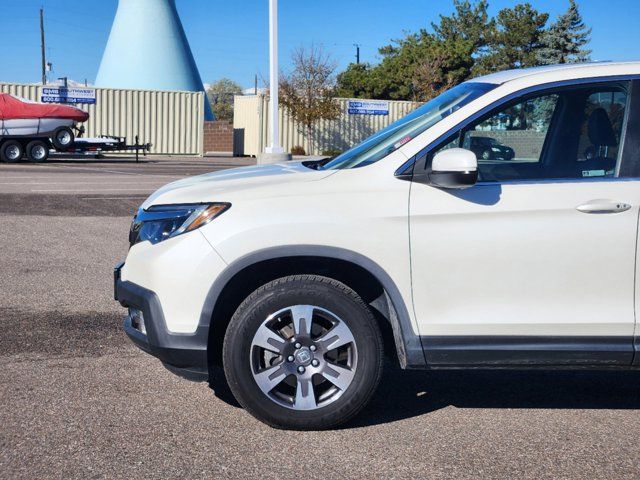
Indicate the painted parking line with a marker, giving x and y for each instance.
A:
(79, 190)
(76, 183)
(141, 197)
(74, 167)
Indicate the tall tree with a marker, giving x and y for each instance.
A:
(420, 65)
(464, 44)
(469, 22)
(308, 92)
(355, 81)
(516, 40)
(221, 94)
(565, 39)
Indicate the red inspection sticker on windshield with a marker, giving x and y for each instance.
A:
(401, 142)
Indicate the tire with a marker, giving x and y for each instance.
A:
(11, 151)
(37, 151)
(339, 317)
(486, 155)
(63, 138)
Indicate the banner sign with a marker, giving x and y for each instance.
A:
(368, 107)
(68, 95)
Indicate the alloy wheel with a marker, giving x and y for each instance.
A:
(303, 357)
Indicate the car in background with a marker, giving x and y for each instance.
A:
(488, 148)
(289, 282)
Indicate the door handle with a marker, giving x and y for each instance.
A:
(603, 206)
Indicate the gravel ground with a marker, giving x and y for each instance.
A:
(79, 401)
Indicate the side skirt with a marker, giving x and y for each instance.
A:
(527, 351)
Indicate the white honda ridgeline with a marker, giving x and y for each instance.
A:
(494, 226)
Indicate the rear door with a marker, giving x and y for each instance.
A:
(536, 263)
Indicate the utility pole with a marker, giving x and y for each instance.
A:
(255, 84)
(357, 45)
(274, 153)
(42, 48)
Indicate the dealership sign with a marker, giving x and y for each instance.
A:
(68, 95)
(368, 107)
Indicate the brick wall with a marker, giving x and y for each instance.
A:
(218, 136)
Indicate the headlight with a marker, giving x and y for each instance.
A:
(161, 222)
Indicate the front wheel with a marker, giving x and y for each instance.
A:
(303, 352)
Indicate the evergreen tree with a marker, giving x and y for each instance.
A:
(516, 40)
(465, 44)
(469, 23)
(565, 39)
(355, 81)
(423, 64)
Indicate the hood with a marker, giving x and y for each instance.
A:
(224, 186)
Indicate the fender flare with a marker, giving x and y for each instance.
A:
(408, 344)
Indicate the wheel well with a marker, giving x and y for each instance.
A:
(243, 283)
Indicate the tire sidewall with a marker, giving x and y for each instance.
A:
(57, 144)
(33, 145)
(6, 146)
(284, 293)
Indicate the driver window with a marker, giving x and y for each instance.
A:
(509, 144)
(570, 133)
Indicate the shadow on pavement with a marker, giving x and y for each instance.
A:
(406, 394)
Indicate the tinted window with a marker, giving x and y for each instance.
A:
(602, 128)
(566, 134)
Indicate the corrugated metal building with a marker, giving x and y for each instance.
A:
(172, 121)
(251, 126)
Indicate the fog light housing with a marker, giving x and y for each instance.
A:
(137, 320)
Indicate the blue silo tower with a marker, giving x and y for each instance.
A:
(148, 49)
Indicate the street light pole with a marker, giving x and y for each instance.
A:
(274, 152)
(273, 78)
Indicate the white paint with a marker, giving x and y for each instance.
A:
(516, 259)
(32, 126)
(455, 160)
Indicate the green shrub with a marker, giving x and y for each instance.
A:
(331, 153)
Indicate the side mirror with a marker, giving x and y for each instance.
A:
(454, 168)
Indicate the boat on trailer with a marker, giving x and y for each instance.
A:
(34, 129)
(22, 117)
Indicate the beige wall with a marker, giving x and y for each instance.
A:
(251, 126)
(171, 121)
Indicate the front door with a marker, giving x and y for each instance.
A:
(536, 263)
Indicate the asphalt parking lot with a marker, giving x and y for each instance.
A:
(79, 401)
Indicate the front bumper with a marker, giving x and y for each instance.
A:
(182, 353)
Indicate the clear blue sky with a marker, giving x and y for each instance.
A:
(229, 38)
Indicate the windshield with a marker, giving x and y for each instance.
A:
(389, 139)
